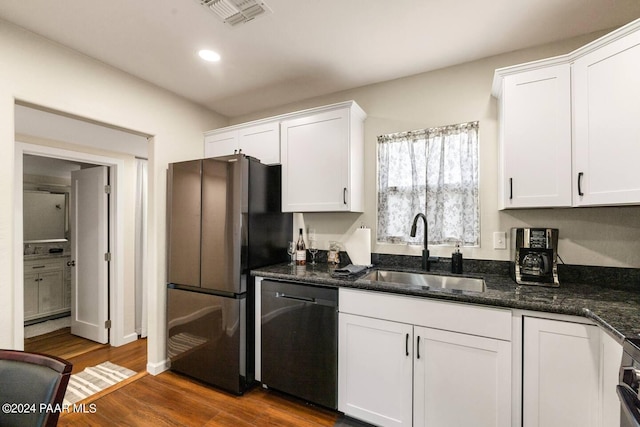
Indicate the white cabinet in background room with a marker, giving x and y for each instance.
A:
(260, 140)
(45, 288)
(606, 90)
(408, 361)
(569, 134)
(535, 117)
(322, 160)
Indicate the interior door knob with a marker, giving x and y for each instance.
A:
(71, 263)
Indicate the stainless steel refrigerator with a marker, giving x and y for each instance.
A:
(224, 219)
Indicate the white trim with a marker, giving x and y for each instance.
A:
(158, 368)
(116, 217)
(501, 73)
(359, 112)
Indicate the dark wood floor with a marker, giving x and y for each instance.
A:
(169, 399)
(61, 343)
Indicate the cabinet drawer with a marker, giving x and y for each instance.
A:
(38, 266)
(458, 317)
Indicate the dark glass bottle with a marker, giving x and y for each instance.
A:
(456, 260)
(301, 250)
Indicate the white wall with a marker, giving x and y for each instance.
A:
(42, 73)
(588, 236)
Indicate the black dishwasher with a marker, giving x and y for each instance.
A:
(300, 341)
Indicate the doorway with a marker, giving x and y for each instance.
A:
(66, 285)
(121, 298)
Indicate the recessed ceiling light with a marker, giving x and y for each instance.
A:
(209, 55)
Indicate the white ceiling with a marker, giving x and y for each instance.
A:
(305, 48)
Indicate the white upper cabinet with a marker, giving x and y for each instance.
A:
(259, 140)
(606, 94)
(321, 151)
(322, 160)
(221, 143)
(569, 133)
(535, 114)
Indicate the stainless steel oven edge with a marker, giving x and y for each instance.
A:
(629, 384)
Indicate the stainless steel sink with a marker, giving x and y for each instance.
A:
(426, 280)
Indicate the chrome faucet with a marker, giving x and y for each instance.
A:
(425, 252)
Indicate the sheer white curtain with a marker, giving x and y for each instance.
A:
(141, 247)
(433, 171)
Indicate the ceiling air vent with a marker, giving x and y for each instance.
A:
(234, 12)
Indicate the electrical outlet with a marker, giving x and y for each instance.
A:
(499, 240)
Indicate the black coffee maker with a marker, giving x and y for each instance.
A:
(535, 256)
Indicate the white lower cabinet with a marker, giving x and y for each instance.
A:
(461, 380)
(46, 288)
(394, 370)
(561, 374)
(409, 361)
(375, 370)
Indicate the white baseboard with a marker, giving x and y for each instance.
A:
(158, 368)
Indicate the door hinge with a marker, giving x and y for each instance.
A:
(107, 324)
(107, 256)
(107, 189)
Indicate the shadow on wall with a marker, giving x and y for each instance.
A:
(603, 236)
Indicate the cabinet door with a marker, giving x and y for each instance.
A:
(262, 142)
(315, 162)
(221, 144)
(50, 291)
(31, 282)
(606, 90)
(536, 138)
(375, 370)
(561, 364)
(461, 380)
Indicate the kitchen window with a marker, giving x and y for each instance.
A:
(433, 171)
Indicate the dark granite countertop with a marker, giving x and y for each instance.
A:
(616, 308)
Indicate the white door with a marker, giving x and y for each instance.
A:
(461, 380)
(375, 370)
(221, 144)
(315, 162)
(606, 135)
(262, 142)
(560, 374)
(89, 244)
(536, 139)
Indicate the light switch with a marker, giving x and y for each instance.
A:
(499, 240)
